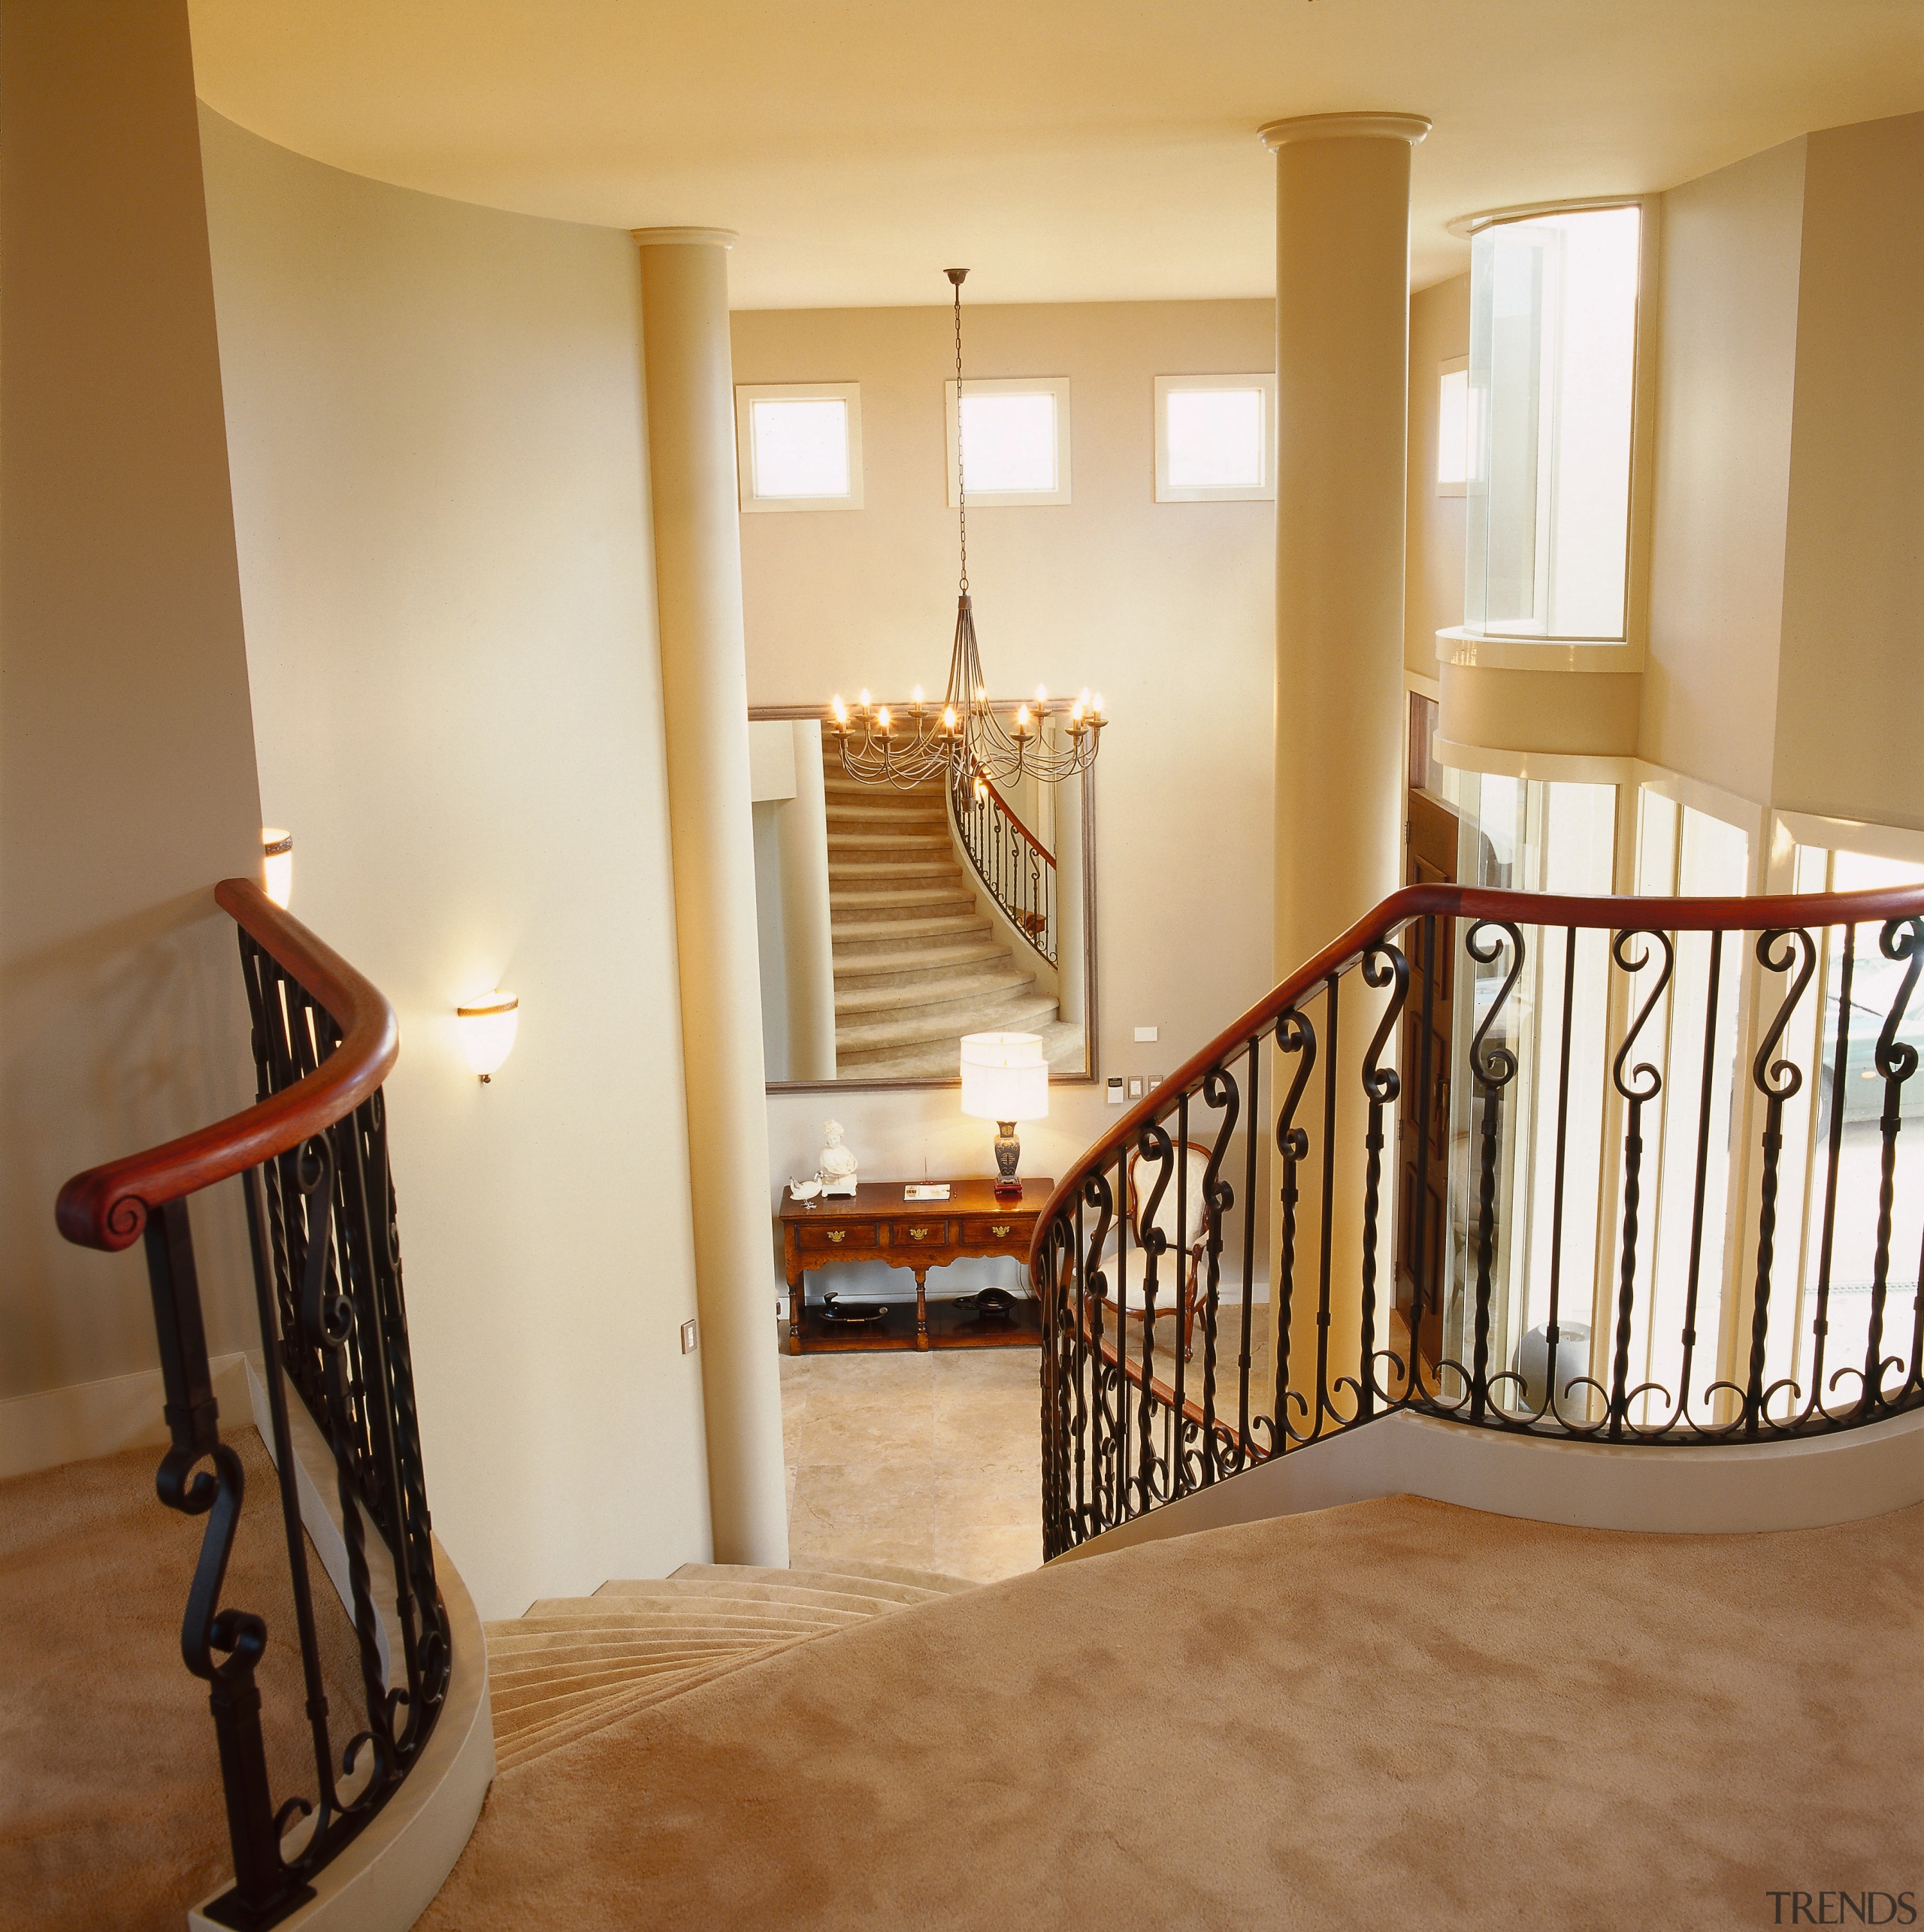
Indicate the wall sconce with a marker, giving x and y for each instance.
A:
(277, 864)
(488, 1030)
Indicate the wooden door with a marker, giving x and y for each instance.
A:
(1432, 843)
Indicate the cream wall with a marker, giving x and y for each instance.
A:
(127, 783)
(1166, 608)
(435, 415)
(1727, 319)
(1850, 708)
(1433, 576)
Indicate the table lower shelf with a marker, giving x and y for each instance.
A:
(950, 1326)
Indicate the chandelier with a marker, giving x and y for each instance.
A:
(966, 739)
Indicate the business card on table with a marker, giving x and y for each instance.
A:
(926, 1190)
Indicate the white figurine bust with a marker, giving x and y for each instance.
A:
(836, 1170)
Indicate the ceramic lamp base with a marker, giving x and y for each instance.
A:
(1008, 1152)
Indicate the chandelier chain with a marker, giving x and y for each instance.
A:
(961, 475)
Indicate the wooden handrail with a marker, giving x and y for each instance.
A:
(107, 1206)
(1611, 913)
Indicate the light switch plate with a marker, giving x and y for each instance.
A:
(689, 1338)
(1146, 1033)
(1155, 1081)
(1135, 1087)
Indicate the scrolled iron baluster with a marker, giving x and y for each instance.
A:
(1106, 1506)
(1896, 1061)
(1240, 1446)
(1152, 1143)
(1220, 1091)
(1493, 1066)
(263, 1885)
(1638, 1086)
(1295, 1035)
(1780, 949)
(1383, 965)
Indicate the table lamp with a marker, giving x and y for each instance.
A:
(1005, 1079)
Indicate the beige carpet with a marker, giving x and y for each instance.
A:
(1395, 1714)
(110, 1806)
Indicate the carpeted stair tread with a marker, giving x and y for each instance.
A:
(917, 1584)
(573, 1664)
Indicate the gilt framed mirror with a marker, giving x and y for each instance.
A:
(891, 922)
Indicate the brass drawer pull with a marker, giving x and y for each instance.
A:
(918, 1234)
(837, 1233)
(999, 1229)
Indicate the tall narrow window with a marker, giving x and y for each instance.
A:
(799, 446)
(1552, 369)
(1452, 427)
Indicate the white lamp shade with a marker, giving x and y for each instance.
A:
(487, 1028)
(1004, 1076)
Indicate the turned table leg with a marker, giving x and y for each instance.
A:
(795, 1281)
(921, 1309)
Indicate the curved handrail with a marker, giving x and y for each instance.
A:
(108, 1206)
(1536, 908)
(1009, 812)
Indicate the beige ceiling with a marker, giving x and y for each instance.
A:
(1065, 149)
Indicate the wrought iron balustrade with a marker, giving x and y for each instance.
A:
(1623, 1169)
(1018, 871)
(312, 1157)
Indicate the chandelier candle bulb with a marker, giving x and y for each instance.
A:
(882, 719)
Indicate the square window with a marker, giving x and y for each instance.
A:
(1452, 427)
(799, 446)
(1215, 439)
(1014, 441)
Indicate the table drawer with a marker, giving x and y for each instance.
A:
(818, 1238)
(918, 1233)
(1016, 1227)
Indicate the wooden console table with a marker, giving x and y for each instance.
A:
(877, 1224)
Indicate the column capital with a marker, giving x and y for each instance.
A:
(693, 238)
(1367, 124)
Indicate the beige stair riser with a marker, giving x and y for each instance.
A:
(881, 1005)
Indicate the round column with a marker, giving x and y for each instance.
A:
(704, 689)
(1342, 405)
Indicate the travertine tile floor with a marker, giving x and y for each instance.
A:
(931, 1461)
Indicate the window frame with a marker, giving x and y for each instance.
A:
(1167, 492)
(1009, 386)
(747, 394)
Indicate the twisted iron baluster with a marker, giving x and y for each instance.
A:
(1643, 1084)
(1241, 1450)
(1103, 1449)
(1294, 1034)
(1897, 1061)
(1383, 965)
(1493, 1068)
(1326, 1257)
(1706, 1098)
(1219, 1089)
(1152, 1143)
(1778, 949)
(1420, 1286)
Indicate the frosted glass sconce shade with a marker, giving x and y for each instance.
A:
(277, 864)
(487, 1028)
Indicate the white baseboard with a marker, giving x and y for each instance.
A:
(90, 1418)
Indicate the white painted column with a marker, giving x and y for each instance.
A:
(1342, 377)
(704, 686)
(1342, 401)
